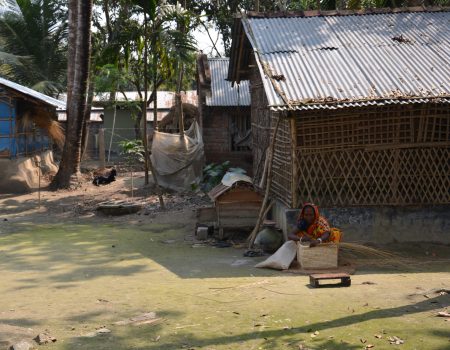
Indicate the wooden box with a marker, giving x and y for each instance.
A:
(323, 256)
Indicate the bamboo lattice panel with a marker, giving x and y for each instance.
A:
(281, 186)
(396, 156)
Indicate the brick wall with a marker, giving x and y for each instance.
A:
(217, 138)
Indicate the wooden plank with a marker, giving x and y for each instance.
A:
(207, 214)
(327, 276)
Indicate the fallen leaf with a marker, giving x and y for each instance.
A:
(378, 336)
(443, 314)
(363, 340)
(395, 340)
(370, 346)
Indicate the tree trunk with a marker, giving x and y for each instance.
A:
(80, 15)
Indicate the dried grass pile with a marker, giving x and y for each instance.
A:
(42, 119)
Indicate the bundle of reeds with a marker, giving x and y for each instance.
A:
(379, 256)
(42, 119)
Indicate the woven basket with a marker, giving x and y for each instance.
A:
(323, 256)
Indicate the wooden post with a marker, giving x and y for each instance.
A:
(39, 183)
(101, 147)
(158, 189)
(37, 163)
(132, 185)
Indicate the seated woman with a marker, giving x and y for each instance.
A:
(313, 228)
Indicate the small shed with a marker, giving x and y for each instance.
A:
(224, 114)
(236, 205)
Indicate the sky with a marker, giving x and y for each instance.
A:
(204, 42)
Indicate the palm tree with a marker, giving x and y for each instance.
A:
(33, 44)
(80, 17)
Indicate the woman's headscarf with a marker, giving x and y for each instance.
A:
(311, 205)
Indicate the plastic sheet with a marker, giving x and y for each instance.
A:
(178, 162)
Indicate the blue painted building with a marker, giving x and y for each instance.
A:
(16, 138)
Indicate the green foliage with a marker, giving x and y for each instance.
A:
(133, 150)
(213, 174)
(121, 44)
(33, 45)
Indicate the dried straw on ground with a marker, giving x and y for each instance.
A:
(380, 257)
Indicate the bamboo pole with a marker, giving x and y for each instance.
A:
(264, 206)
(144, 105)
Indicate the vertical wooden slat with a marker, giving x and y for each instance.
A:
(294, 170)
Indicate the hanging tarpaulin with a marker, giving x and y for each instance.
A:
(178, 162)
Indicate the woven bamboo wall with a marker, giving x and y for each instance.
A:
(391, 155)
(261, 124)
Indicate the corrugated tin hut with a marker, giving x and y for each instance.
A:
(28, 122)
(364, 103)
(25, 119)
(224, 114)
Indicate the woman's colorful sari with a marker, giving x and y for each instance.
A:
(319, 226)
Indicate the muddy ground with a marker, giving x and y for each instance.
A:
(70, 271)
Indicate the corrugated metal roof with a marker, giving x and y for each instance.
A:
(222, 93)
(333, 60)
(96, 114)
(166, 99)
(32, 93)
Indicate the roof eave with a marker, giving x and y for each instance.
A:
(360, 103)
